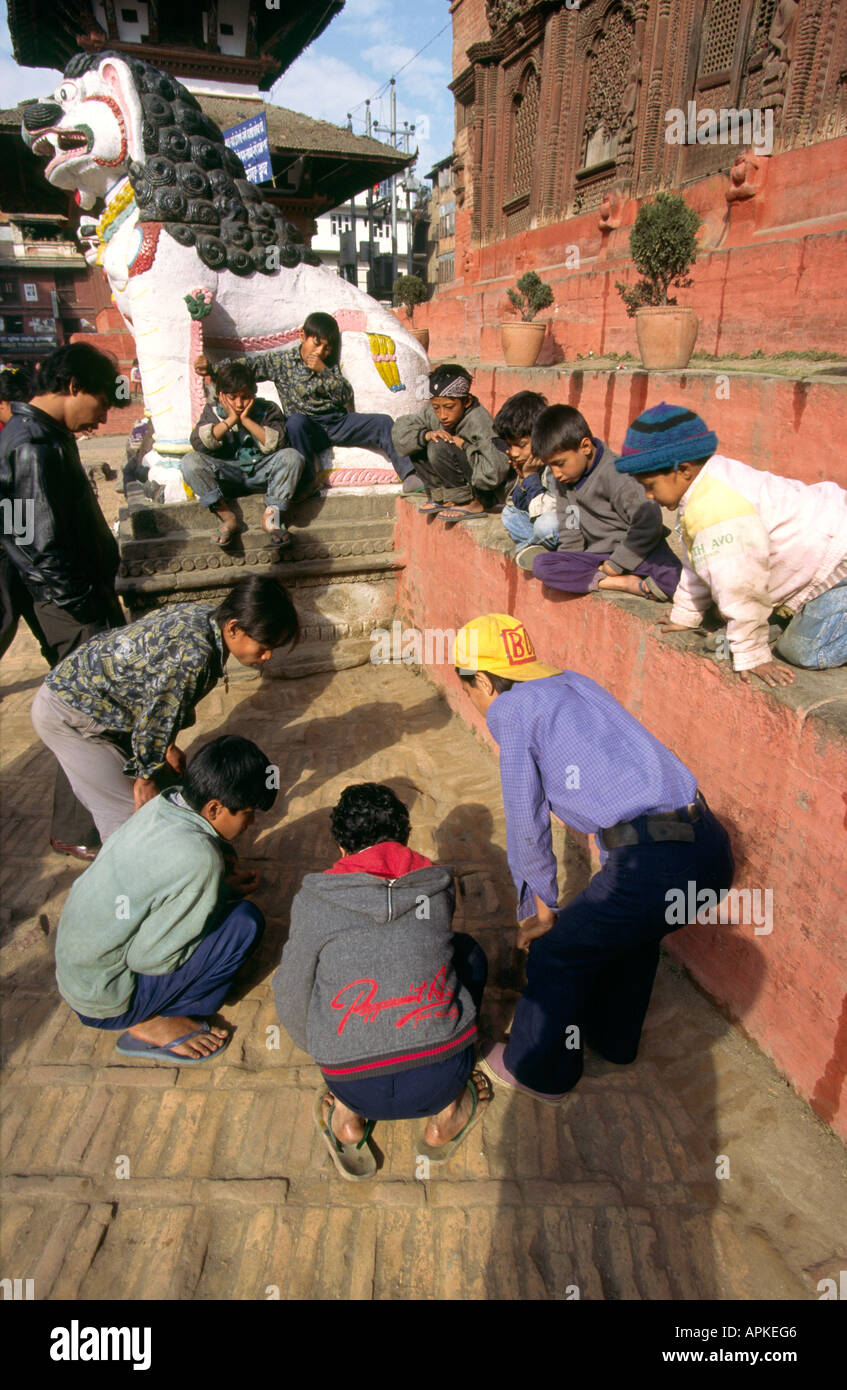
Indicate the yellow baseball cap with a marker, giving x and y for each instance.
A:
(500, 645)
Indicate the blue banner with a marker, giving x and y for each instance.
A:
(249, 140)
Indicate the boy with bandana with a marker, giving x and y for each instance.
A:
(455, 448)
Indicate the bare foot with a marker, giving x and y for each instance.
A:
(272, 525)
(347, 1126)
(447, 1124)
(228, 524)
(628, 583)
(162, 1031)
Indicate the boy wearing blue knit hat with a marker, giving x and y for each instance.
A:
(754, 543)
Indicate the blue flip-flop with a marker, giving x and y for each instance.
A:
(430, 508)
(128, 1046)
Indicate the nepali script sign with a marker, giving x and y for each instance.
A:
(249, 141)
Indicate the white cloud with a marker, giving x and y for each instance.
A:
(368, 17)
(323, 87)
(19, 84)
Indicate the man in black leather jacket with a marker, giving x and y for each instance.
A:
(54, 533)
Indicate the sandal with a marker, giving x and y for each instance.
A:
(461, 514)
(129, 1046)
(430, 508)
(277, 531)
(481, 1094)
(355, 1162)
(226, 537)
(651, 590)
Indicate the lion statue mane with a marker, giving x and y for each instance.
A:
(197, 258)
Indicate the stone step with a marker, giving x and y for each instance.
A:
(184, 550)
(141, 520)
(224, 569)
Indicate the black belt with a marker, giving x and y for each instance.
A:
(659, 826)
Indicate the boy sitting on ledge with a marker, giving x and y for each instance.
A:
(454, 447)
(610, 536)
(529, 515)
(239, 445)
(152, 934)
(754, 543)
(317, 399)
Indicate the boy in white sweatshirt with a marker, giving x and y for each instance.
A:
(755, 543)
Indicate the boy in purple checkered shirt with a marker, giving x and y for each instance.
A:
(570, 750)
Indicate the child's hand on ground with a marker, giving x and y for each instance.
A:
(770, 672)
(143, 790)
(665, 625)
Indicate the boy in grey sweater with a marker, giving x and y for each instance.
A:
(609, 536)
(375, 984)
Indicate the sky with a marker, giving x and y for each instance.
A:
(361, 49)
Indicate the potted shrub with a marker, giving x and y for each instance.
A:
(522, 338)
(663, 242)
(410, 290)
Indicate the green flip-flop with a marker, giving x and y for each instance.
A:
(444, 1152)
(355, 1162)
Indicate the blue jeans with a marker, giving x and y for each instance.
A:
(817, 635)
(589, 979)
(409, 1095)
(311, 434)
(210, 479)
(544, 530)
(199, 987)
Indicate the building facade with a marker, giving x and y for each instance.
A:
(563, 109)
(441, 265)
(356, 238)
(46, 291)
(569, 115)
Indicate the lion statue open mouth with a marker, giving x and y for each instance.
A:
(197, 258)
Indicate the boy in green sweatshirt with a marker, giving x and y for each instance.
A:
(154, 931)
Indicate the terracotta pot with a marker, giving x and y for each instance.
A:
(422, 335)
(522, 341)
(666, 336)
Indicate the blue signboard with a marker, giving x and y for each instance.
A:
(249, 140)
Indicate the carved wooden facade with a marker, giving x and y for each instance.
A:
(561, 110)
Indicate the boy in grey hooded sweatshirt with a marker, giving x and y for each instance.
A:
(375, 984)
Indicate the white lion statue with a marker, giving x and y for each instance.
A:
(197, 259)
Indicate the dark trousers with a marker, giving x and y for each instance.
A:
(590, 977)
(311, 434)
(198, 988)
(408, 1095)
(575, 571)
(72, 823)
(446, 473)
(16, 603)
